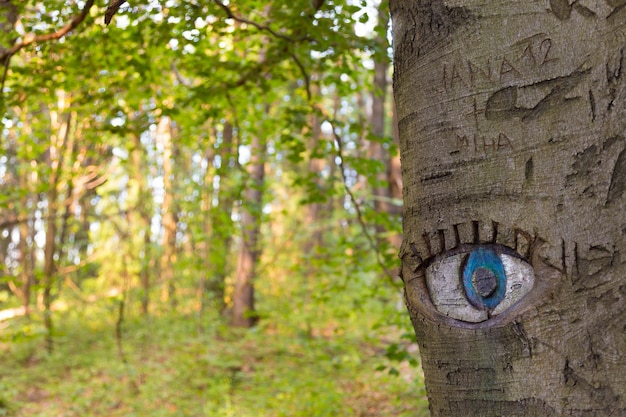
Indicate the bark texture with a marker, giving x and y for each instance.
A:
(512, 129)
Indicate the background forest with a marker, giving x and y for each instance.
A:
(200, 211)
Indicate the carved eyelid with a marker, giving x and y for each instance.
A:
(475, 282)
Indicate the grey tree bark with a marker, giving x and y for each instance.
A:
(512, 128)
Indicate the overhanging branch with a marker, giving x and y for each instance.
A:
(113, 7)
(31, 38)
(372, 241)
(260, 27)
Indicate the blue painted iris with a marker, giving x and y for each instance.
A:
(484, 280)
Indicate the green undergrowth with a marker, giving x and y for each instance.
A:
(179, 365)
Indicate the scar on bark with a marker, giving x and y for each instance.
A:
(613, 77)
(524, 242)
(618, 179)
(529, 169)
(432, 24)
(601, 394)
(502, 105)
(519, 331)
(436, 176)
(427, 242)
(563, 257)
(415, 253)
(562, 9)
(618, 8)
(592, 104)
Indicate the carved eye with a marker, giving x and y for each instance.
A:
(478, 281)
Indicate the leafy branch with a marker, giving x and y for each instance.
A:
(263, 28)
(31, 38)
(372, 241)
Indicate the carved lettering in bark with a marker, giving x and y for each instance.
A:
(526, 57)
(482, 144)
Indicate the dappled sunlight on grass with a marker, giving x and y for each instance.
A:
(173, 369)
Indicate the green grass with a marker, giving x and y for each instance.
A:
(170, 368)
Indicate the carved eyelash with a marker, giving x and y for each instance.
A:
(477, 282)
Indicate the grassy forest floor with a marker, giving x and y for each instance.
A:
(176, 365)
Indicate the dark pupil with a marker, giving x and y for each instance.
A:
(485, 282)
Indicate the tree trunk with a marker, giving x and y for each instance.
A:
(395, 170)
(377, 151)
(217, 223)
(58, 140)
(26, 260)
(315, 210)
(168, 212)
(249, 252)
(511, 120)
(141, 218)
(205, 246)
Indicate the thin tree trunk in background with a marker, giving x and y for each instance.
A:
(144, 273)
(512, 131)
(12, 216)
(141, 219)
(317, 214)
(4, 248)
(395, 170)
(206, 242)
(58, 139)
(26, 261)
(49, 267)
(168, 212)
(388, 189)
(222, 217)
(4, 243)
(217, 223)
(23, 216)
(378, 122)
(394, 180)
(69, 148)
(243, 313)
(314, 209)
(81, 236)
(249, 251)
